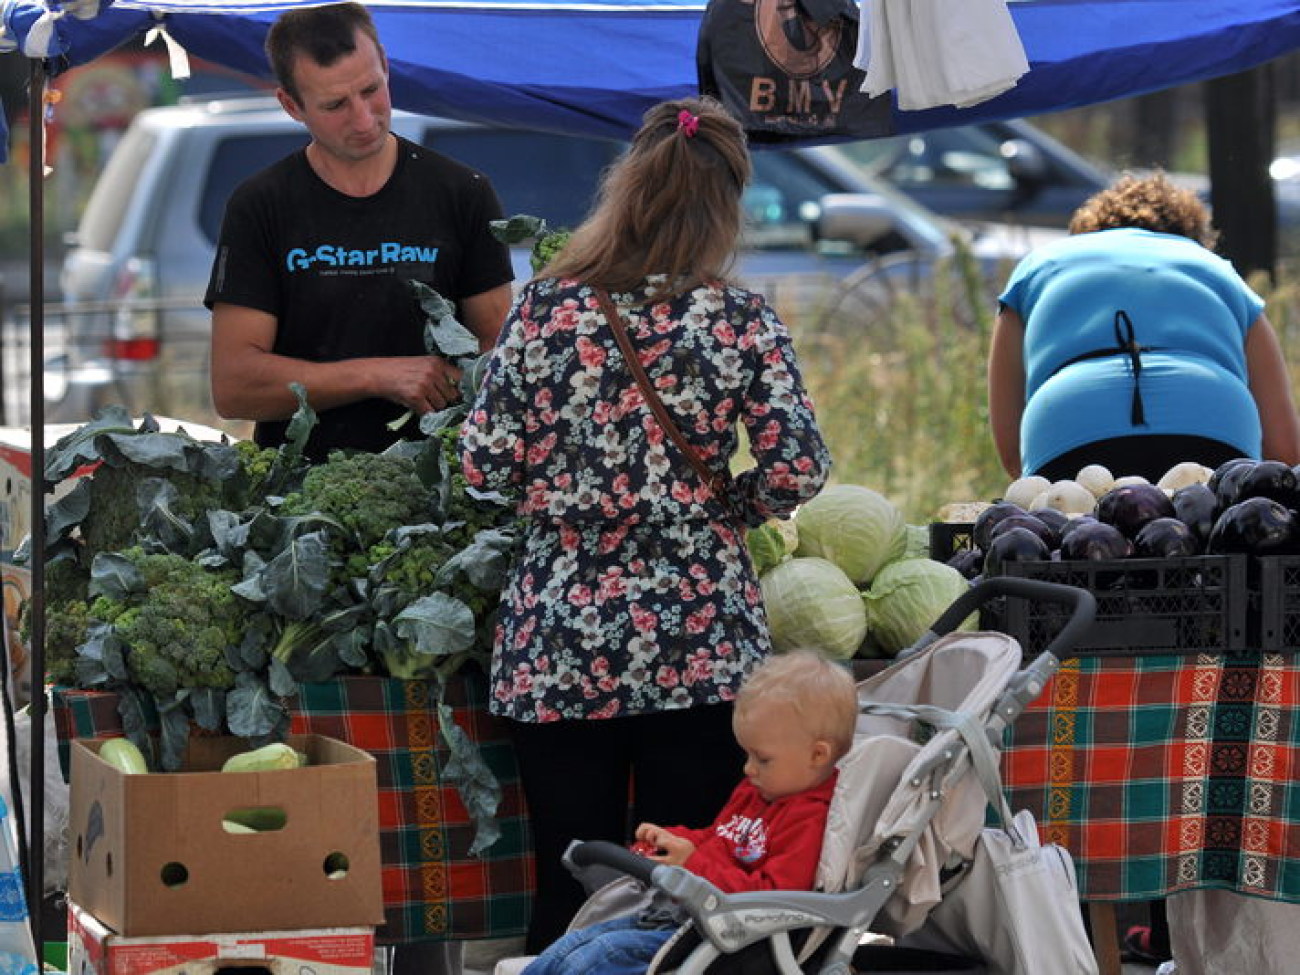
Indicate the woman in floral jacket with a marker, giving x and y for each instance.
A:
(633, 613)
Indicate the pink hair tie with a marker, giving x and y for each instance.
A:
(688, 123)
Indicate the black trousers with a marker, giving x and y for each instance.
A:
(1149, 456)
(596, 780)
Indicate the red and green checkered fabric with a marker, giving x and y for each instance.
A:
(1164, 773)
(433, 889)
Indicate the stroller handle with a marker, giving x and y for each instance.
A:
(1082, 603)
(594, 853)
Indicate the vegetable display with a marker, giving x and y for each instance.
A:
(204, 581)
(1242, 506)
(812, 569)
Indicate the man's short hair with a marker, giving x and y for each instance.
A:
(323, 34)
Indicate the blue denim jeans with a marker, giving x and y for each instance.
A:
(616, 947)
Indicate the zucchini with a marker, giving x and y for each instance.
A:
(123, 755)
(268, 758)
(254, 819)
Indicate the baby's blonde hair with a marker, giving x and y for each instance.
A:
(821, 692)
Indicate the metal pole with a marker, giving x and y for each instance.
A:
(36, 182)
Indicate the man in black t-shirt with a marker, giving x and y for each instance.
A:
(309, 283)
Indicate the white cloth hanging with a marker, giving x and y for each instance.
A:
(939, 52)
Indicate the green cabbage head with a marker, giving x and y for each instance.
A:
(812, 605)
(771, 543)
(853, 526)
(906, 598)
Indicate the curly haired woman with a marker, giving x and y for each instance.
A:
(1132, 345)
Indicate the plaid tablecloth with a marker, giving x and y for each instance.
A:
(433, 889)
(1162, 773)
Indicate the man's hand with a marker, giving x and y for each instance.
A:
(658, 844)
(420, 383)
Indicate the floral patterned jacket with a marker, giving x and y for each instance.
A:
(633, 592)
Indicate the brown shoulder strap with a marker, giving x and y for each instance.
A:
(707, 475)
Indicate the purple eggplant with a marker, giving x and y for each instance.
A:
(968, 561)
(1130, 507)
(1095, 540)
(986, 520)
(1055, 520)
(1227, 487)
(1196, 507)
(1166, 538)
(1256, 526)
(1025, 520)
(1270, 479)
(1014, 545)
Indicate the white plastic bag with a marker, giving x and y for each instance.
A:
(1016, 906)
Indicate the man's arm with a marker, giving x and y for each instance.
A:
(485, 313)
(250, 382)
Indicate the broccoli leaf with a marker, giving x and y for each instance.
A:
(295, 581)
(174, 731)
(209, 707)
(485, 562)
(280, 680)
(518, 228)
(69, 511)
(443, 333)
(478, 787)
(437, 624)
(251, 708)
(299, 429)
(157, 451)
(79, 448)
(163, 528)
(115, 576)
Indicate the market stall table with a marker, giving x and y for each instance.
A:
(1166, 773)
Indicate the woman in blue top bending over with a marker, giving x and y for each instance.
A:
(1130, 344)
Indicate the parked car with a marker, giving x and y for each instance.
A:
(1008, 171)
(1014, 172)
(138, 264)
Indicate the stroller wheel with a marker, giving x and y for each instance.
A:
(895, 960)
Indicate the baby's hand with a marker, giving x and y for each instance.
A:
(647, 840)
(661, 846)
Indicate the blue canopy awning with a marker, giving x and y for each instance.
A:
(593, 67)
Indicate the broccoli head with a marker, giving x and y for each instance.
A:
(367, 494)
(114, 518)
(66, 617)
(178, 627)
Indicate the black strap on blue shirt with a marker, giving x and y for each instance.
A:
(1126, 343)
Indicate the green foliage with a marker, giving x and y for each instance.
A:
(521, 228)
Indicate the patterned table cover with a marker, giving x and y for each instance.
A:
(1166, 773)
(433, 889)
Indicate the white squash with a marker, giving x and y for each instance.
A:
(1022, 491)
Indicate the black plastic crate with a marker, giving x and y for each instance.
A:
(1276, 585)
(1144, 606)
(947, 538)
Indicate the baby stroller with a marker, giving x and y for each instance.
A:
(908, 808)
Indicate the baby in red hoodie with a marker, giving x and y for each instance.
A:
(794, 717)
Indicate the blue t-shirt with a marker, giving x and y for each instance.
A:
(1189, 309)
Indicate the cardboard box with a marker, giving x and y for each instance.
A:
(95, 949)
(150, 856)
